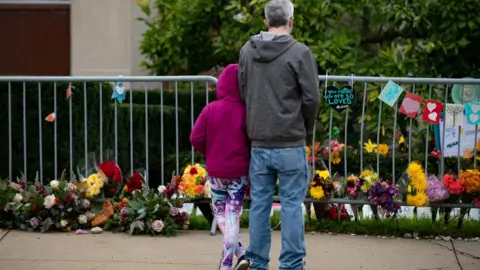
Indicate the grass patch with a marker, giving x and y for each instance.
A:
(423, 226)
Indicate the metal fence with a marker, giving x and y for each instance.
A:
(368, 119)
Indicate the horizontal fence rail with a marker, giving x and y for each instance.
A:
(151, 129)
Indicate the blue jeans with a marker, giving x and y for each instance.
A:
(289, 165)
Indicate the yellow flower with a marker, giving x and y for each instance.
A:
(335, 157)
(414, 168)
(418, 180)
(420, 199)
(401, 139)
(366, 173)
(93, 191)
(317, 192)
(370, 147)
(309, 152)
(201, 171)
(323, 174)
(383, 149)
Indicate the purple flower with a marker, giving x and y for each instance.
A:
(124, 212)
(174, 211)
(34, 222)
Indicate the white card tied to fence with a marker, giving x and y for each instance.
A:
(453, 115)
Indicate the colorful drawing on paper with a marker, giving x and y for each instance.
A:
(465, 132)
(390, 93)
(453, 114)
(339, 99)
(472, 113)
(432, 111)
(411, 105)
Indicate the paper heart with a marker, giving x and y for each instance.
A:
(474, 108)
(431, 106)
(473, 117)
(433, 116)
(411, 106)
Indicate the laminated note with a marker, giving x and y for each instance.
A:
(411, 105)
(390, 93)
(472, 112)
(453, 115)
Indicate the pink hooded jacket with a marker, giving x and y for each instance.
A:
(220, 132)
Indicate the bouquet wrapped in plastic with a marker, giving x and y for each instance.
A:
(436, 191)
(385, 195)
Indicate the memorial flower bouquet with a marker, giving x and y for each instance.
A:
(193, 183)
(416, 195)
(112, 175)
(367, 178)
(385, 195)
(321, 185)
(436, 191)
(353, 187)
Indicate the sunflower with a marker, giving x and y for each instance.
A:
(383, 149)
(317, 192)
(370, 147)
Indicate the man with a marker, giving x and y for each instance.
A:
(278, 81)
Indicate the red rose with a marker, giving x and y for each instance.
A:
(68, 198)
(58, 201)
(134, 183)
(111, 170)
(193, 171)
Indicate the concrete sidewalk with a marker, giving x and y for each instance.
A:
(198, 250)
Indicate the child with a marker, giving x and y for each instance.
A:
(220, 134)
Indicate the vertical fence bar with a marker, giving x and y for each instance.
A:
(55, 132)
(131, 130)
(379, 124)
(70, 128)
(410, 134)
(394, 141)
(206, 93)
(329, 143)
(192, 115)
(475, 144)
(362, 125)
(85, 124)
(177, 163)
(459, 137)
(161, 136)
(101, 121)
(426, 136)
(442, 141)
(115, 123)
(40, 138)
(146, 137)
(10, 177)
(24, 132)
(345, 168)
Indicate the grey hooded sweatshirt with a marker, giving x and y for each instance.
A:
(278, 81)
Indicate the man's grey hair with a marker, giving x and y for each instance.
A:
(278, 12)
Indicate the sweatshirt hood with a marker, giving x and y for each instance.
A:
(268, 46)
(227, 85)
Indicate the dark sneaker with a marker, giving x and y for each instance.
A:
(242, 264)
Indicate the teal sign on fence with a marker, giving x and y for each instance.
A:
(339, 99)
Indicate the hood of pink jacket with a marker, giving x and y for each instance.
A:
(227, 85)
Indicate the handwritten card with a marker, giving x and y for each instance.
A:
(390, 93)
(453, 115)
(411, 105)
(339, 99)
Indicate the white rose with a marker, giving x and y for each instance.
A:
(161, 189)
(63, 223)
(18, 198)
(54, 184)
(49, 201)
(158, 225)
(82, 219)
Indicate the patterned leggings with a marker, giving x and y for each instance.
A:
(227, 198)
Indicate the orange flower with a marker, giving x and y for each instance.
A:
(198, 190)
(471, 180)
